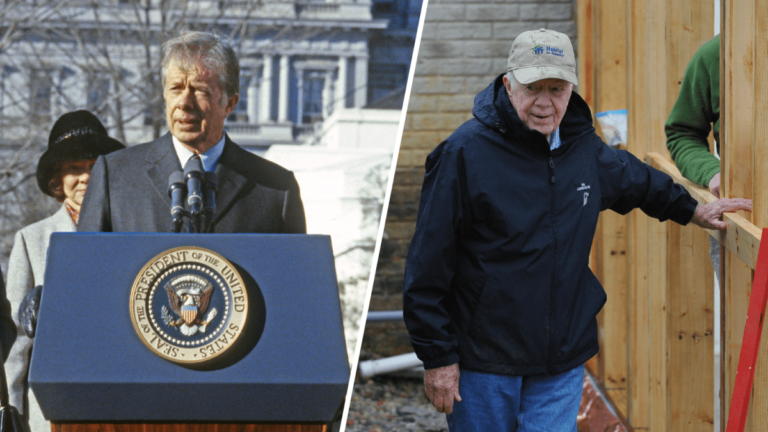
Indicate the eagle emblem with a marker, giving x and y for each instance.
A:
(189, 296)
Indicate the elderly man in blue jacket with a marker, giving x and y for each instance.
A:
(497, 281)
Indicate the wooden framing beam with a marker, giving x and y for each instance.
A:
(742, 237)
(611, 260)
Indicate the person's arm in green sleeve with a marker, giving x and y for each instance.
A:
(696, 108)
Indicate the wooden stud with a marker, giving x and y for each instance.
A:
(690, 330)
(737, 134)
(611, 94)
(656, 113)
(638, 389)
(760, 191)
(585, 13)
(586, 42)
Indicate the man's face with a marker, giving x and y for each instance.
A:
(193, 106)
(540, 104)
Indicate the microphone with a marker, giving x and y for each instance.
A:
(193, 174)
(177, 191)
(211, 187)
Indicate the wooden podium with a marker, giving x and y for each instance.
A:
(91, 371)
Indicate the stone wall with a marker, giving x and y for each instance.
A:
(464, 46)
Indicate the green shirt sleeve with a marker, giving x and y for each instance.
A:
(696, 109)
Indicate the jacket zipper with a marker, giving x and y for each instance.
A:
(552, 344)
(551, 170)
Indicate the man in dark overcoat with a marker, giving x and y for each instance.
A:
(128, 190)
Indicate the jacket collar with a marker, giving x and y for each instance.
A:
(162, 160)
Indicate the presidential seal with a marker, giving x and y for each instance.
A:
(189, 305)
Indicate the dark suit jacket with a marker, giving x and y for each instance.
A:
(128, 191)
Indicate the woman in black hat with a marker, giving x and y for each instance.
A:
(76, 140)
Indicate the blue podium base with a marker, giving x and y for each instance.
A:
(89, 365)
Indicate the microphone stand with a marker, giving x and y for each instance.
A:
(177, 191)
(193, 174)
(202, 187)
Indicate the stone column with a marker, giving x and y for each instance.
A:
(253, 99)
(361, 81)
(265, 92)
(327, 107)
(282, 105)
(57, 76)
(341, 84)
(300, 108)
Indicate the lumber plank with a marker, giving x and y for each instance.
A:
(586, 41)
(596, 264)
(726, 380)
(638, 388)
(690, 330)
(690, 286)
(656, 115)
(611, 94)
(611, 70)
(615, 317)
(760, 193)
(618, 399)
(742, 238)
(737, 134)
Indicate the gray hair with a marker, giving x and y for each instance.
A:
(514, 84)
(197, 47)
(517, 86)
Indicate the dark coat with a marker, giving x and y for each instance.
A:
(497, 275)
(128, 191)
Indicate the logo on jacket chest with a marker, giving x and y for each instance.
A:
(584, 188)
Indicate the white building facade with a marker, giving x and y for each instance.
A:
(300, 61)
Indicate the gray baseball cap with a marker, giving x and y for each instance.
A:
(542, 54)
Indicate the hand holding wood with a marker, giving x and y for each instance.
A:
(709, 216)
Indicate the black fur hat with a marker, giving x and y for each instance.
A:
(77, 135)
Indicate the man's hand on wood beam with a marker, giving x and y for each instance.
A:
(709, 216)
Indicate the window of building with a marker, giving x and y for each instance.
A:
(349, 94)
(40, 96)
(312, 108)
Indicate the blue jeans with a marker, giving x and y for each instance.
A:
(503, 403)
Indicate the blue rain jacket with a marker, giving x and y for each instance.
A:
(497, 275)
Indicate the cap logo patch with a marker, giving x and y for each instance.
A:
(538, 49)
(555, 51)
